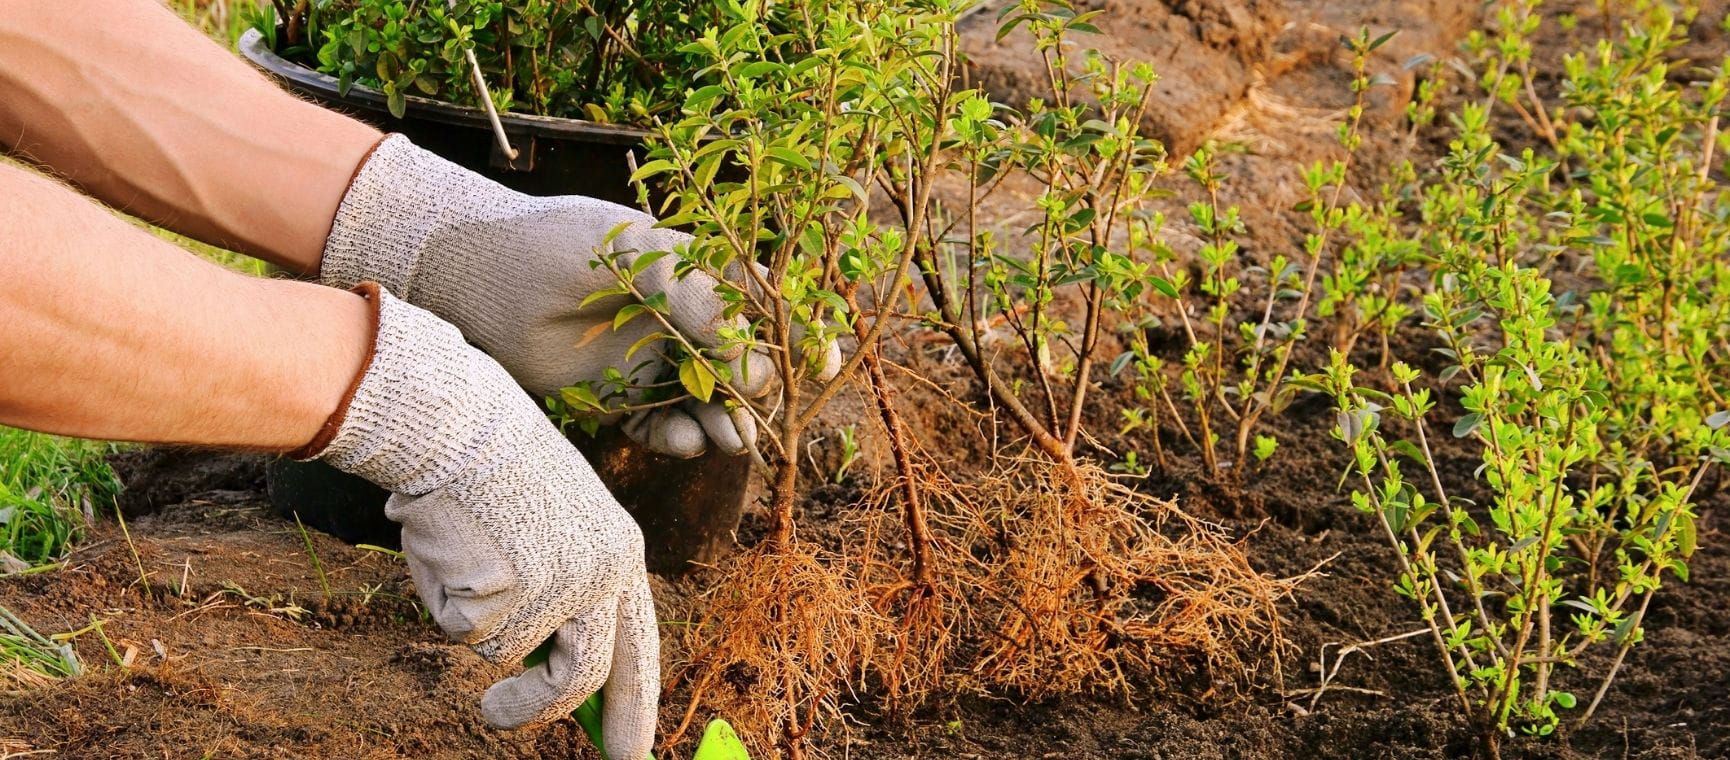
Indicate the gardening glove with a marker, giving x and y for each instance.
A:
(512, 270)
(509, 535)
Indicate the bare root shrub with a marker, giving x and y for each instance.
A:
(779, 635)
(922, 592)
(1092, 582)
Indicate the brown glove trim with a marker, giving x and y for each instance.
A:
(327, 432)
(346, 186)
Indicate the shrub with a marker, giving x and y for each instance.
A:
(1595, 412)
(772, 168)
(604, 60)
(807, 174)
(1234, 370)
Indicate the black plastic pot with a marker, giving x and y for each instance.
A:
(687, 508)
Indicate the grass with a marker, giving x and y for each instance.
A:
(317, 566)
(28, 659)
(50, 487)
(223, 20)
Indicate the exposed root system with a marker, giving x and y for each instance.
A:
(780, 634)
(1053, 579)
(1091, 582)
(925, 603)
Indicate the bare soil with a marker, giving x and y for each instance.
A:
(232, 648)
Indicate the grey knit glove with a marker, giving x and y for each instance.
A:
(509, 535)
(512, 270)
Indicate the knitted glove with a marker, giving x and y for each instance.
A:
(512, 270)
(509, 535)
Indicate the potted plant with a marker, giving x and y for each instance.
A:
(546, 98)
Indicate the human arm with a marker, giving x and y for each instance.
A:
(110, 332)
(138, 109)
(146, 114)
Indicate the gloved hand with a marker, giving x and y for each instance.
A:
(512, 270)
(509, 535)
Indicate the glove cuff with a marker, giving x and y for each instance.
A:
(370, 292)
(401, 195)
(426, 406)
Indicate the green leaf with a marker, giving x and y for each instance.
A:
(644, 342)
(581, 396)
(720, 742)
(644, 261)
(852, 186)
(1121, 361)
(1408, 450)
(1687, 537)
(627, 313)
(703, 96)
(704, 176)
(1467, 424)
(615, 232)
(697, 377)
(789, 157)
(1563, 699)
(652, 168)
(603, 293)
(976, 108)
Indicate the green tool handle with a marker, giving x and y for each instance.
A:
(588, 714)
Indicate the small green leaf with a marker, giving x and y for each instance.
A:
(644, 342)
(697, 377)
(790, 157)
(627, 313)
(581, 396)
(646, 260)
(652, 168)
(1687, 539)
(1121, 361)
(615, 232)
(1164, 286)
(1467, 424)
(602, 294)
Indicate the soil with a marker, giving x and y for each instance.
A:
(1211, 55)
(231, 646)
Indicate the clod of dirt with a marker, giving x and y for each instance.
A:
(1212, 56)
(1205, 51)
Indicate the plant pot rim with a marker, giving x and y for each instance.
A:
(253, 47)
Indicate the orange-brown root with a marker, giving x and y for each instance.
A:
(1092, 582)
(914, 658)
(780, 634)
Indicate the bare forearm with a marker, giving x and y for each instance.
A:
(126, 101)
(113, 333)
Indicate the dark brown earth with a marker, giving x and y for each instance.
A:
(234, 651)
